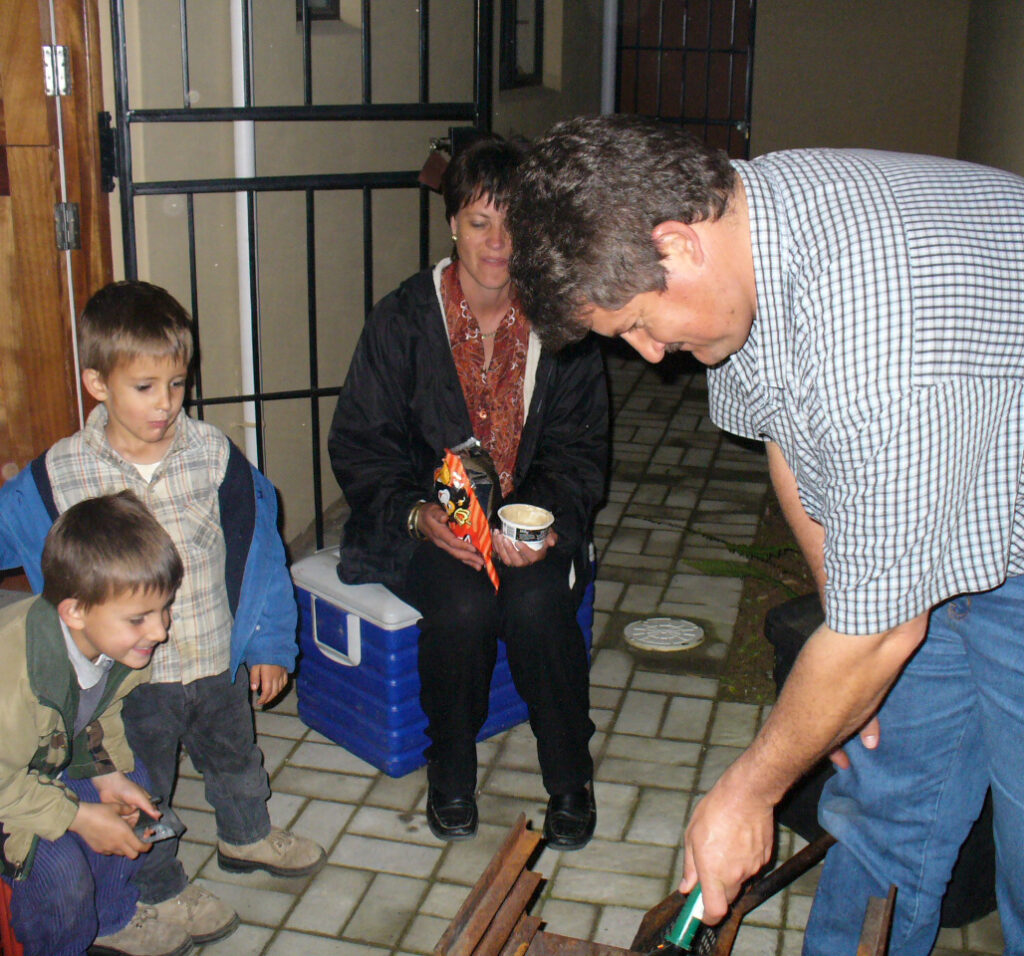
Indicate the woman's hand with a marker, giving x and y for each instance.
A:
(517, 555)
(432, 523)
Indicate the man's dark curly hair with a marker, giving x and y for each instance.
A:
(586, 200)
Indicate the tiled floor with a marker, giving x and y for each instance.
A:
(663, 738)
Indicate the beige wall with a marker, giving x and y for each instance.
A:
(572, 71)
(174, 151)
(871, 73)
(992, 125)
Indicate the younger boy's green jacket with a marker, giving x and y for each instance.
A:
(37, 715)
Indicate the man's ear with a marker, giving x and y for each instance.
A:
(94, 384)
(71, 613)
(678, 242)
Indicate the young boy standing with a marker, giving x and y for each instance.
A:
(235, 614)
(69, 790)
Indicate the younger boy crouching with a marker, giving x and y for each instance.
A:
(70, 791)
(235, 612)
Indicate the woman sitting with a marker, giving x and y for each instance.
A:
(447, 357)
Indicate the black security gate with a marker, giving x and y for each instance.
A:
(689, 62)
(377, 84)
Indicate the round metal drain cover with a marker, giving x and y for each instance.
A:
(664, 634)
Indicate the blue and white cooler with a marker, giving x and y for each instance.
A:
(358, 683)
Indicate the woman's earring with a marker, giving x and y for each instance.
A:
(455, 238)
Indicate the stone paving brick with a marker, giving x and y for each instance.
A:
(715, 762)
(606, 594)
(444, 900)
(329, 757)
(613, 856)
(687, 685)
(647, 773)
(285, 807)
(734, 724)
(386, 856)
(275, 753)
(986, 935)
(388, 825)
(798, 908)
(259, 906)
(401, 793)
(673, 752)
(388, 906)
(245, 941)
(423, 934)
(567, 918)
(619, 889)
(641, 599)
(270, 723)
(755, 941)
(659, 818)
(641, 713)
(611, 668)
(687, 718)
(292, 944)
(322, 821)
(330, 900)
(345, 788)
(617, 925)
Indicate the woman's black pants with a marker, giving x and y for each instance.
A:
(534, 613)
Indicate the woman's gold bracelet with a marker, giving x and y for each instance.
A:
(412, 522)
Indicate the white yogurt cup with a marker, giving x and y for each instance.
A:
(526, 523)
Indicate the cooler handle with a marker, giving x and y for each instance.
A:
(355, 646)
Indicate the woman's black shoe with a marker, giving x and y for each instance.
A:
(570, 820)
(451, 818)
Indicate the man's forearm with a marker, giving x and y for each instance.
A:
(838, 682)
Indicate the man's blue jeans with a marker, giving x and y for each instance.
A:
(952, 725)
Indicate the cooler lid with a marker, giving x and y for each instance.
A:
(318, 574)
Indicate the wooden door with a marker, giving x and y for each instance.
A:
(48, 154)
(44, 140)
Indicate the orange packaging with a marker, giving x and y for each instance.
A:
(465, 516)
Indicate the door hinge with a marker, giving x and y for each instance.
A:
(69, 228)
(56, 70)
(108, 152)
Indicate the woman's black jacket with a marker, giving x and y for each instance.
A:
(402, 405)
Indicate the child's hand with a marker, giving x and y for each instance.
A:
(117, 788)
(269, 680)
(105, 828)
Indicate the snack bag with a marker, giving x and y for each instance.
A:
(465, 516)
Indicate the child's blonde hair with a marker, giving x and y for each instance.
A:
(127, 319)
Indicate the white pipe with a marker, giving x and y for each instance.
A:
(245, 166)
(609, 27)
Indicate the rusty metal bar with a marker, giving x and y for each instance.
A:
(489, 892)
(874, 936)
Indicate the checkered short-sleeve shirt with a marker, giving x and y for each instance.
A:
(887, 361)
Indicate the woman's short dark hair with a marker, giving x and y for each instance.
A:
(102, 548)
(583, 208)
(485, 168)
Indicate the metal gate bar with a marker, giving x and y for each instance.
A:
(475, 113)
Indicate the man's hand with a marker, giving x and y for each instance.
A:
(515, 554)
(269, 680)
(433, 525)
(728, 840)
(107, 828)
(870, 735)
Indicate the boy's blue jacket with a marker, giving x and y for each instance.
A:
(260, 592)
